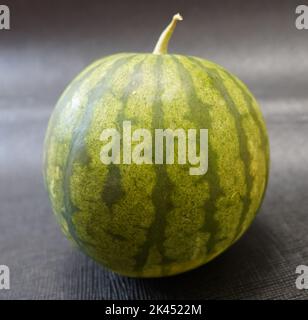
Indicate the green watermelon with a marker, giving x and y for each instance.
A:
(153, 220)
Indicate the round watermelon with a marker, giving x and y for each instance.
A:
(155, 219)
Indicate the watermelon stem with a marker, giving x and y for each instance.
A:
(163, 41)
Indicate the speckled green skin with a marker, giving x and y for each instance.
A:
(155, 220)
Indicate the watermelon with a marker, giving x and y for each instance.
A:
(148, 219)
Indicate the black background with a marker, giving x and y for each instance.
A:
(50, 41)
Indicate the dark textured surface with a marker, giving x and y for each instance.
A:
(50, 43)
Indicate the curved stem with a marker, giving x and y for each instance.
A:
(163, 41)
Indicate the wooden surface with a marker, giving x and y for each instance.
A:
(38, 58)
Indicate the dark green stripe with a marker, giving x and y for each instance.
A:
(256, 119)
(161, 201)
(76, 84)
(198, 107)
(77, 141)
(243, 142)
(113, 190)
(250, 107)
